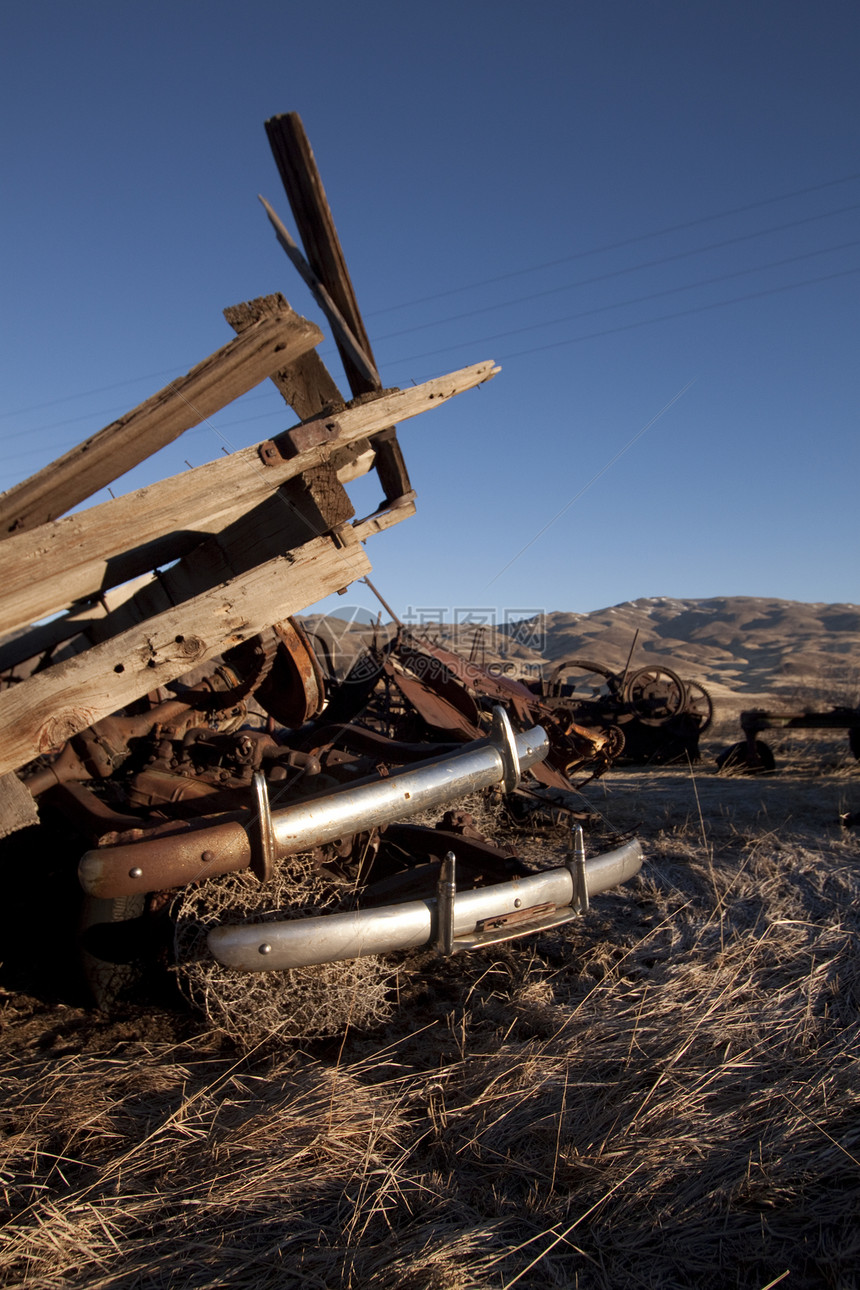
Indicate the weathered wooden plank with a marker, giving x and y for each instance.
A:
(302, 509)
(306, 383)
(22, 652)
(385, 517)
(41, 713)
(301, 179)
(304, 188)
(85, 553)
(233, 370)
(17, 808)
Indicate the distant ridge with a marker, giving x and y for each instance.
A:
(746, 645)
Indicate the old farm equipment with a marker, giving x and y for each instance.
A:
(648, 714)
(755, 756)
(168, 714)
(412, 688)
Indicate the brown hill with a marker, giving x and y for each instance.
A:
(750, 647)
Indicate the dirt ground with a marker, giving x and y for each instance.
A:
(663, 1093)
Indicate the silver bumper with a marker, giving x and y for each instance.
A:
(553, 895)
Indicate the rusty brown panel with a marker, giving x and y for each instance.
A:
(173, 860)
(294, 690)
(435, 674)
(551, 776)
(438, 711)
(471, 674)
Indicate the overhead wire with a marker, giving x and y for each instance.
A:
(618, 273)
(609, 274)
(653, 295)
(683, 313)
(547, 322)
(614, 246)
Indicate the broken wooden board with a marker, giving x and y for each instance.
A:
(305, 384)
(233, 370)
(304, 188)
(83, 554)
(304, 508)
(39, 714)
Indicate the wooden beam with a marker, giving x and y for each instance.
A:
(302, 509)
(85, 553)
(305, 384)
(301, 179)
(28, 650)
(389, 514)
(344, 338)
(233, 370)
(40, 714)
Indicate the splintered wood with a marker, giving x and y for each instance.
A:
(227, 525)
(208, 387)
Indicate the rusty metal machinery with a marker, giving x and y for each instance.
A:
(649, 713)
(207, 779)
(414, 689)
(755, 756)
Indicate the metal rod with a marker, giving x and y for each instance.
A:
(446, 892)
(320, 294)
(382, 801)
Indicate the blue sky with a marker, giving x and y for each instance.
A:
(646, 213)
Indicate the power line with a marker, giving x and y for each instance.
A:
(618, 273)
(682, 313)
(610, 246)
(614, 246)
(636, 300)
(643, 322)
(250, 396)
(86, 394)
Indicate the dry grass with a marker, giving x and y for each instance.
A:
(663, 1094)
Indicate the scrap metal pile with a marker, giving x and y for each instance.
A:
(159, 696)
(645, 714)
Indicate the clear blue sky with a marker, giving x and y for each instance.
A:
(617, 202)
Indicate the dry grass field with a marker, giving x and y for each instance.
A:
(665, 1093)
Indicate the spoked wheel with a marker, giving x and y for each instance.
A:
(655, 693)
(699, 704)
(615, 742)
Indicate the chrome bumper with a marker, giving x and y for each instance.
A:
(483, 916)
(161, 862)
